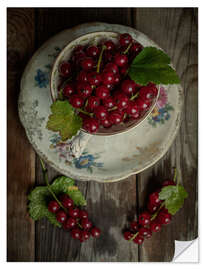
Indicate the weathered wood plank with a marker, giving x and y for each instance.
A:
(108, 205)
(175, 30)
(21, 157)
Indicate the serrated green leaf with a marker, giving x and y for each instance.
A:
(64, 119)
(40, 197)
(76, 196)
(166, 192)
(174, 197)
(152, 65)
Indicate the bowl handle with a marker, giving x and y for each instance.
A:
(77, 145)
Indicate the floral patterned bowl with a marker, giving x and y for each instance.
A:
(94, 38)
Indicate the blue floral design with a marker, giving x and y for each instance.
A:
(160, 115)
(42, 78)
(87, 161)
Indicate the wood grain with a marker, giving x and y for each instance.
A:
(20, 155)
(177, 35)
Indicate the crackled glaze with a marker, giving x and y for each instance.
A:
(105, 159)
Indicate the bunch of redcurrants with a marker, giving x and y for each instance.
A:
(151, 220)
(73, 219)
(95, 81)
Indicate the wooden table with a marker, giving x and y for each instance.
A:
(109, 205)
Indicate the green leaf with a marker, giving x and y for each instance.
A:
(76, 195)
(174, 197)
(152, 65)
(40, 197)
(64, 119)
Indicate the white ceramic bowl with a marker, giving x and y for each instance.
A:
(65, 54)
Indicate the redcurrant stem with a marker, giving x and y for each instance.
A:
(100, 58)
(82, 111)
(79, 225)
(175, 175)
(133, 237)
(127, 49)
(156, 213)
(112, 109)
(44, 170)
(136, 95)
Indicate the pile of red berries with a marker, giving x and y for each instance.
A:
(151, 220)
(73, 219)
(95, 81)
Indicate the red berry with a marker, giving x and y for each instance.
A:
(145, 232)
(95, 232)
(87, 64)
(108, 57)
(116, 117)
(100, 112)
(66, 201)
(94, 78)
(111, 67)
(124, 69)
(102, 92)
(143, 104)
(84, 89)
(125, 39)
(83, 214)
(144, 219)
(85, 235)
(92, 103)
(76, 233)
(128, 235)
(76, 101)
(106, 122)
(154, 198)
(132, 109)
(109, 45)
(74, 212)
(155, 226)
(86, 224)
(151, 207)
(134, 226)
(82, 76)
(116, 79)
(121, 101)
(120, 60)
(65, 69)
(138, 240)
(109, 86)
(164, 218)
(69, 223)
(93, 51)
(78, 58)
(146, 93)
(168, 183)
(108, 77)
(91, 124)
(53, 206)
(109, 102)
(61, 216)
(136, 48)
(79, 49)
(68, 90)
(153, 87)
(128, 87)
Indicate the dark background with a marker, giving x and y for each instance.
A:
(109, 205)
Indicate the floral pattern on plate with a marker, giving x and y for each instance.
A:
(42, 77)
(85, 161)
(161, 112)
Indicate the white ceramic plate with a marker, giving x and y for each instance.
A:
(105, 159)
